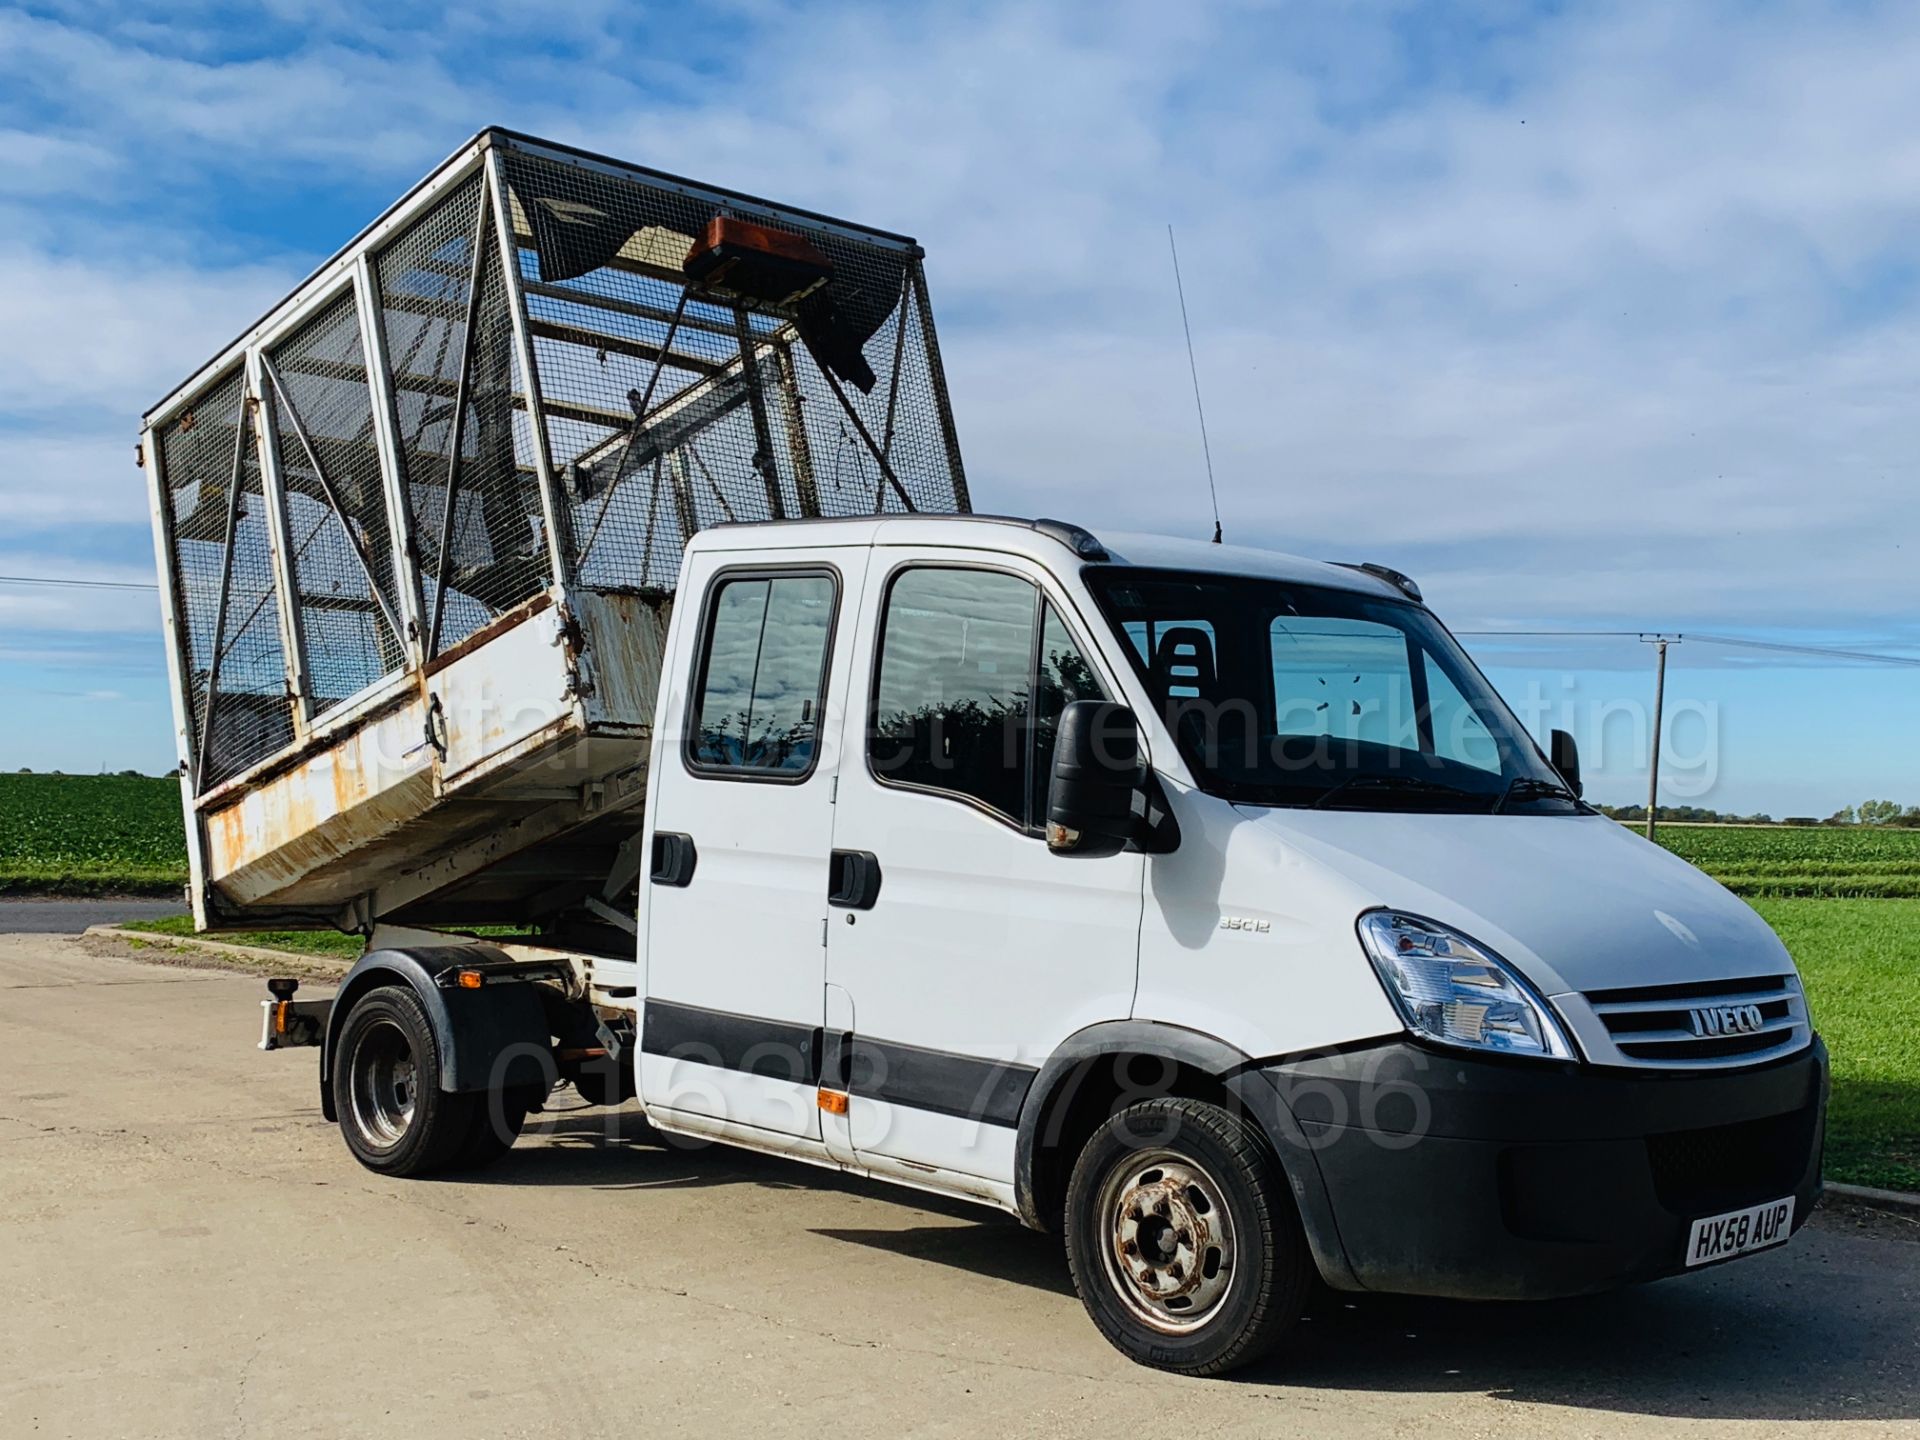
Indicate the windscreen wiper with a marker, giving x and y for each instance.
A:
(1528, 787)
(1403, 784)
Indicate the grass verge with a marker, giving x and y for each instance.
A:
(329, 943)
(1861, 963)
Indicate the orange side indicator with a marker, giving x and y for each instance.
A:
(471, 979)
(834, 1102)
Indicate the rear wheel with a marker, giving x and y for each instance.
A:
(497, 1121)
(386, 1088)
(1183, 1239)
(603, 1082)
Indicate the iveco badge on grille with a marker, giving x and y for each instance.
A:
(1710, 1020)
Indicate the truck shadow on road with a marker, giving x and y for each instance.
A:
(1757, 1346)
(1776, 1338)
(1821, 1330)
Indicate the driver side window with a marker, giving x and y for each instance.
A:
(974, 670)
(1064, 677)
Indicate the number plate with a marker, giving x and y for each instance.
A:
(1720, 1237)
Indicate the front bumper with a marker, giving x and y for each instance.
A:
(1451, 1175)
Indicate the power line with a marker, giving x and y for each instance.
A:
(1194, 370)
(1828, 651)
(1806, 649)
(78, 584)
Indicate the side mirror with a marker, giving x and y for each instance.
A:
(1096, 773)
(1566, 759)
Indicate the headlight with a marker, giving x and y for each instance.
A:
(1451, 990)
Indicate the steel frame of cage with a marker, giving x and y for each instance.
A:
(413, 601)
(413, 613)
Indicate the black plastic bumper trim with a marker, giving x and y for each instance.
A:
(1453, 1176)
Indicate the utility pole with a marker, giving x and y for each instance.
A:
(1659, 643)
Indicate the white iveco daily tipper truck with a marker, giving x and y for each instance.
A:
(571, 588)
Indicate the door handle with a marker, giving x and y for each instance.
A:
(836, 1060)
(853, 879)
(674, 857)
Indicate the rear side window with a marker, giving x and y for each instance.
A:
(955, 675)
(761, 676)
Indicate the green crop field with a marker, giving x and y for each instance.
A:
(86, 834)
(1852, 861)
(91, 835)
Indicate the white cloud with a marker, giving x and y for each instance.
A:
(39, 165)
(1608, 318)
(98, 340)
(57, 481)
(114, 333)
(342, 107)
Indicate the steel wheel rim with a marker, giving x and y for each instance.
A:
(383, 1084)
(1166, 1239)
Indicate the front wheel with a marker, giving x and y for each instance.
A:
(1183, 1239)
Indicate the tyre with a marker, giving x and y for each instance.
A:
(599, 1083)
(496, 1125)
(1183, 1238)
(386, 1088)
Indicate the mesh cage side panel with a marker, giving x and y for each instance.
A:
(900, 415)
(349, 642)
(661, 420)
(529, 541)
(253, 714)
(250, 716)
(197, 454)
(496, 555)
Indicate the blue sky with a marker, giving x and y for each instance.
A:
(1589, 316)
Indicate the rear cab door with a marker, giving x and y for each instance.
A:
(739, 825)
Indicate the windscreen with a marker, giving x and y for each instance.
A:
(1283, 694)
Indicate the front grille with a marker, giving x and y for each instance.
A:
(1723, 1167)
(1704, 1023)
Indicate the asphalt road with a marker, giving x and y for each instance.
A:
(70, 917)
(188, 1250)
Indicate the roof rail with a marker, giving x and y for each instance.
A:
(1401, 582)
(1076, 538)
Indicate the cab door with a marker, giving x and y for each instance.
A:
(740, 822)
(961, 949)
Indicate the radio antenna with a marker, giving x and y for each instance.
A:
(1194, 370)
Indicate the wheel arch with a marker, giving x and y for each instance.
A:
(473, 1030)
(1075, 1090)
